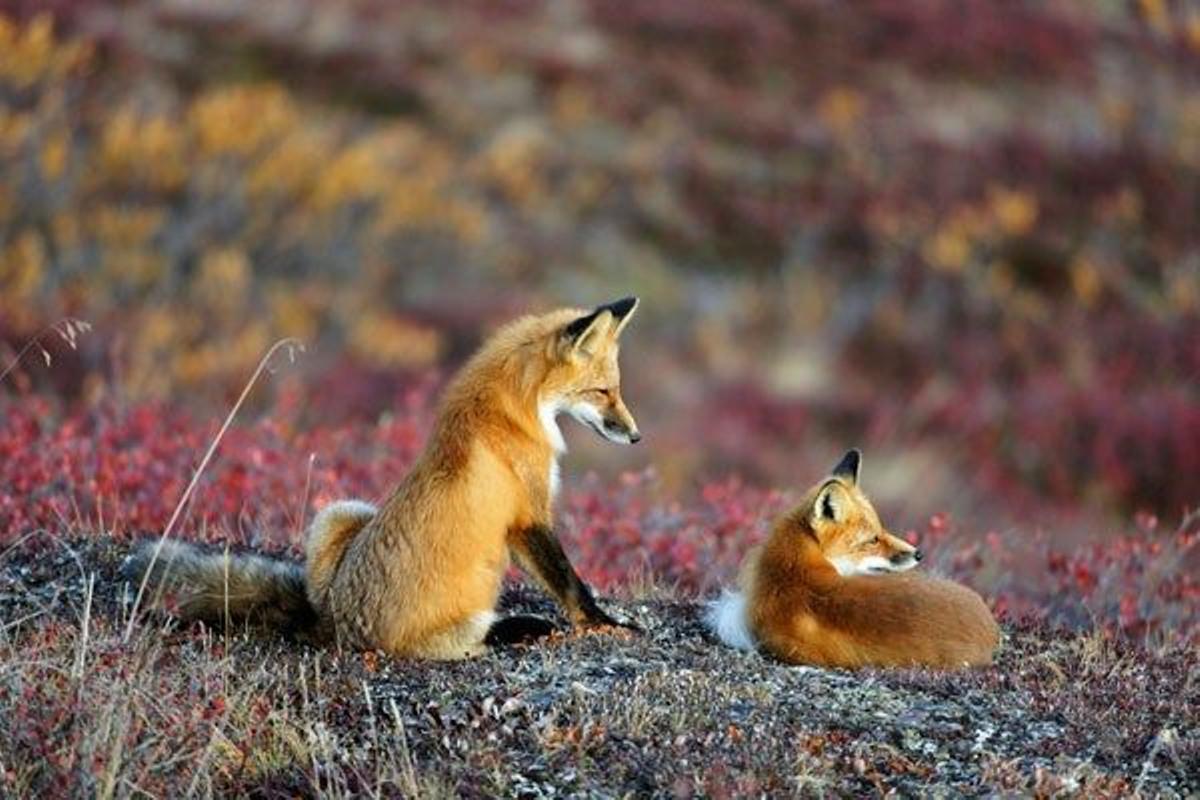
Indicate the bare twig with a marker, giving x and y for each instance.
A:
(67, 328)
(292, 345)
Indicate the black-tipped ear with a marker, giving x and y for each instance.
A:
(848, 467)
(583, 334)
(580, 326)
(621, 308)
(621, 311)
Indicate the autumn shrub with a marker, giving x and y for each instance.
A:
(122, 471)
(961, 227)
(188, 221)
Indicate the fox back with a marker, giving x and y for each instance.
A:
(826, 589)
(419, 574)
(423, 573)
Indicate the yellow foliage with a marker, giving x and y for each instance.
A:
(151, 151)
(241, 120)
(1015, 211)
(249, 155)
(53, 157)
(130, 268)
(389, 341)
(512, 160)
(418, 189)
(841, 109)
(14, 130)
(1086, 281)
(159, 327)
(211, 358)
(358, 173)
(124, 226)
(292, 166)
(223, 281)
(573, 105)
(32, 54)
(1191, 30)
(129, 257)
(948, 249)
(1156, 14)
(22, 266)
(67, 229)
(469, 221)
(295, 311)
(1183, 292)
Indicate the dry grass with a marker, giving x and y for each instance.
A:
(206, 713)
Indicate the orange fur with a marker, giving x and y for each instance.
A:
(420, 575)
(803, 610)
(431, 562)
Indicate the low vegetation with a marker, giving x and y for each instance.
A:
(670, 713)
(959, 236)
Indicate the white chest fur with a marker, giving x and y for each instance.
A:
(553, 479)
(547, 413)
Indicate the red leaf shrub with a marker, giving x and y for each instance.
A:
(123, 471)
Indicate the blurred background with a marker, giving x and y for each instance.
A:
(964, 236)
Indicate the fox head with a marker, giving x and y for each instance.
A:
(584, 380)
(843, 523)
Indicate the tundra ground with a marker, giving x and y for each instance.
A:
(666, 713)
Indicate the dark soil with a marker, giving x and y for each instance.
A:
(666, 713)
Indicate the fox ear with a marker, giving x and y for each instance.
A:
(607, 320)
(585, 331)
(622, 311)
(827, 507)
(849, 466)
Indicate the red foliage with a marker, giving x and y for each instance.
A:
(124, 470)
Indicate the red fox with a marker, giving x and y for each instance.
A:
(820, 591)
(420, 575)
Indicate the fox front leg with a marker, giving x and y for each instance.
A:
(539, 553)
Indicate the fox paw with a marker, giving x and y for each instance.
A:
(518, 629)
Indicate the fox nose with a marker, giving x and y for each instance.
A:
(635, 437)
(918, 555)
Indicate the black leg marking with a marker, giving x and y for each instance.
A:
(541, 554)
(518, 629)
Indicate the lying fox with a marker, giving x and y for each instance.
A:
(820, 591)
(420, 575)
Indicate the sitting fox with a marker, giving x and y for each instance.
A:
(420, 575)
(821, 591)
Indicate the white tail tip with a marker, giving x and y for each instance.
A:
(726, 617)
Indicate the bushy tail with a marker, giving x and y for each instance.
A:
(191, 582)
(330, 533)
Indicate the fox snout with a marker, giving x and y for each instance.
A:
(904, 555)
(610, 419)
(615, 429)
(620, 427)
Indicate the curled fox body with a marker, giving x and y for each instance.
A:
(825, 589)
(419, 576)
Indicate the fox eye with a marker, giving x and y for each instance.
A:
(601, 391)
